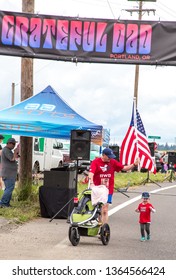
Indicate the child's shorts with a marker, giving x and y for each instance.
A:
(109, 199)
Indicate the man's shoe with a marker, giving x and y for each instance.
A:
(142, 239)
(5, 206)
(2, 206)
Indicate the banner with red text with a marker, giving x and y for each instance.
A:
(87, 39)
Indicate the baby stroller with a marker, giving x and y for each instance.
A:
(84, 220)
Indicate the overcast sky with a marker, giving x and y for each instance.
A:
(102, 93)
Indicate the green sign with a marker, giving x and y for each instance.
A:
(6, 137)
(154, 137)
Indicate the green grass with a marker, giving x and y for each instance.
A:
(23, 211)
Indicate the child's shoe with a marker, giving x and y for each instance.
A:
(142, 238)
(148, 237)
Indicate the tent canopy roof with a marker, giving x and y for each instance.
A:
(46, 114)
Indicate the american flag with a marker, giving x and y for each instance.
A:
(135, 145)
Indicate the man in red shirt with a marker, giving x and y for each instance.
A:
(102, 171)
(145, 208)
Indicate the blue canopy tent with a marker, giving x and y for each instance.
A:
(46, 115)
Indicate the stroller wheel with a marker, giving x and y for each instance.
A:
(74, 236)
(105, 234)
(69, 232)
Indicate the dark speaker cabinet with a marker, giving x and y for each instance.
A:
(80, 144)
(152, 148)
(115, 150)
(57, 193)
(171, 158)
(59, 178)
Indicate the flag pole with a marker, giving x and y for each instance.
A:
(135, 126)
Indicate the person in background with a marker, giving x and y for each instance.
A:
(166, 167)
(162, 161)
(1, 139)
(102, 171)
(8, 171)
(145, 208)
(174, 168)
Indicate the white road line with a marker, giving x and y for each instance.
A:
(123, 205)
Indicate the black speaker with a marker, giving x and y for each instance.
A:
(115, 150)
(56, 201)
(171, 157)
(59, 178)
(59, 188)
(152, 148)
(80, 144)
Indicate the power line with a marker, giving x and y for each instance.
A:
(163, 8)
(170, 11)
(110, 8)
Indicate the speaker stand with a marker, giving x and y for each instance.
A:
(76, 185)
(75, 197)
(148, 180)
(61, 209)
(171, 177)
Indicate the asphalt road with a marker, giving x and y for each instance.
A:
(41, 239)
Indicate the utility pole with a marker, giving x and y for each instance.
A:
(140, 10)
(25, 172)
(136, 81)
(13, 94)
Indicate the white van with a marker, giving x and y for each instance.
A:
(47, 152)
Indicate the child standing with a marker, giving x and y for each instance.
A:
(145, 208)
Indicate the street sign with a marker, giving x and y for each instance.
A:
(154, 137)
